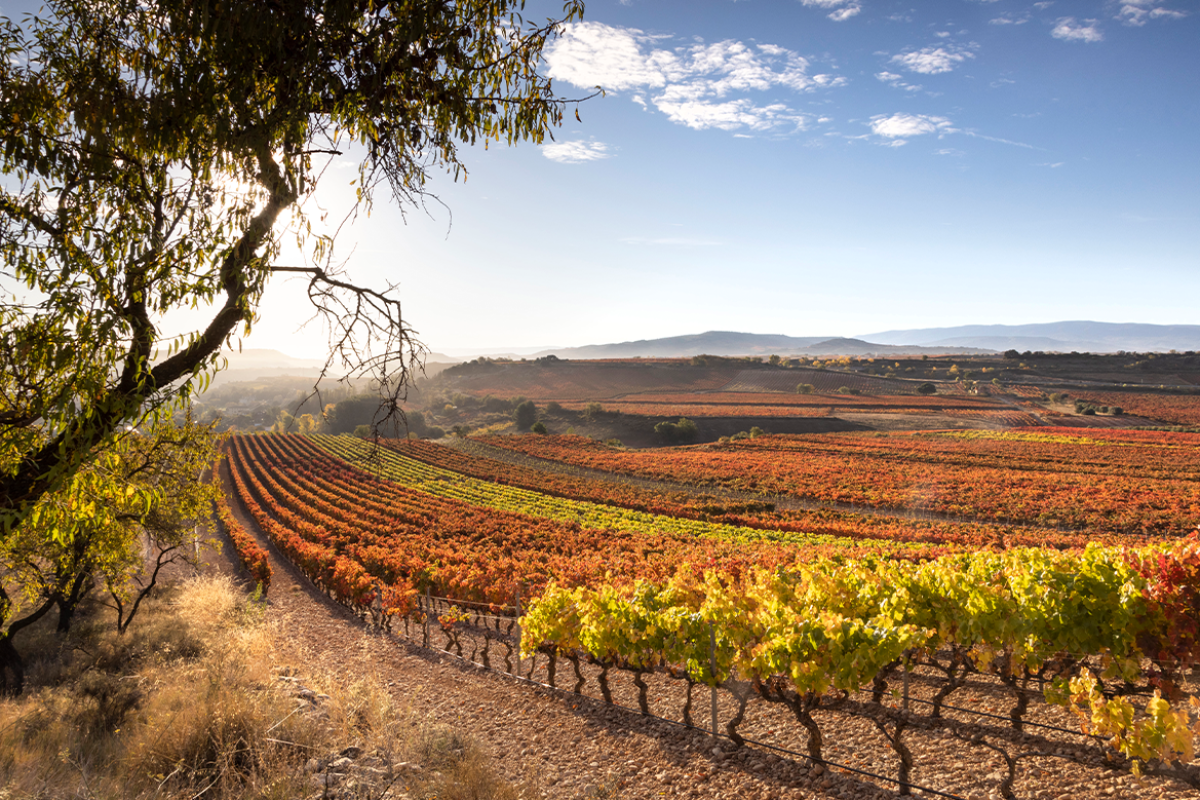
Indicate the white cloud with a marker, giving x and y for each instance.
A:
(1008, 19)
(575, 152)
(933, 60)
(728, 116)
(892, 79)
(839, 10)
(699, 85)
(902, 126)
(1137, 12)
(1069, 30)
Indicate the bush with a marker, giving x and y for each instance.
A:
(553, 407)
(538, 427)
(682, 431)
(805, 388)
(525, 415)
(927, 389)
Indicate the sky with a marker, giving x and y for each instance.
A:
(812, 168)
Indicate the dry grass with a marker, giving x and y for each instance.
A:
(190, 704)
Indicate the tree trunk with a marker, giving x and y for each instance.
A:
(12, 668)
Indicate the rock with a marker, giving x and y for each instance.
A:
(341, 765)
(353, 751)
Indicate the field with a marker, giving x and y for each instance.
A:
(977, 547)
(1024, 561)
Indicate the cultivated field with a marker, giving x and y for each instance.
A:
(860, 599)
(875, 569)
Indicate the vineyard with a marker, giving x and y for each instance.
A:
(1172, 409)
(755, 605)
(1135, 488)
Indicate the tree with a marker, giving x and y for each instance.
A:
(153, 152)
(927, 389)
(525, 414)
(116, 524)
(805, 388)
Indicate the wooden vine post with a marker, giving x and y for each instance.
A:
(712, 665)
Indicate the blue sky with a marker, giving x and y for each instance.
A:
(837, 168)
(815, 167)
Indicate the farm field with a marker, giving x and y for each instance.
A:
(635, 573)
(726, 395)
(1104, 482)
(1006, 554)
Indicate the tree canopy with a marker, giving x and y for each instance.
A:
(156, 155)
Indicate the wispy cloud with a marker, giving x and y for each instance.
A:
(895, 129)
(839, 10)
(699, 85)
(1139, 12)
(997, 139)
(1009, 19)
(903, 126)
(933, 60)
(1069, 30)
(575, 152)
(892, 79)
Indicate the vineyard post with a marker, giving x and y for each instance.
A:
(518, 610)
(907, 670)
(712, 664)
(428, 609)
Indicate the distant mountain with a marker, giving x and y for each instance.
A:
(730, 343)
(252, 358)
(1082, 336)
(858, 347)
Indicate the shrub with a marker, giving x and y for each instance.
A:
(525, 414)
(805, 388)
(538, 427)
(927, 389)
(682, 431)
